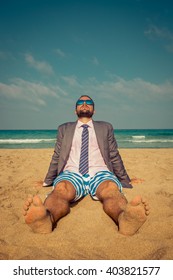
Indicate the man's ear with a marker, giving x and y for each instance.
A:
(75, 112)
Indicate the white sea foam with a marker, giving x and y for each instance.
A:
(152, 141)
(138, 136)
(25, 141)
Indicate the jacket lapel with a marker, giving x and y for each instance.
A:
(69, 137)
(66, 146)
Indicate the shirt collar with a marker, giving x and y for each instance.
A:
(90, 123)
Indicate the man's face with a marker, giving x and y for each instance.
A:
(84, 110)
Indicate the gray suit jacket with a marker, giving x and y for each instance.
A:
(106, 142)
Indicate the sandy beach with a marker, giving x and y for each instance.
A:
(87, 232)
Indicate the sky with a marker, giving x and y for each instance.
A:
(120, 53)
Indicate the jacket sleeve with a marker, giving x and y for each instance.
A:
(116, 160)
(53, 167)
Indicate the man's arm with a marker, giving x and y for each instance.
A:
(116, 160)
(53, 168)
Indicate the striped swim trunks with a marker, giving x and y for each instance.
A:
(85, 185)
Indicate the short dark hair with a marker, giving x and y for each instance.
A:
(86, 96)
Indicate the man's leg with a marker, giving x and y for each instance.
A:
(128, 216)
(41, 217)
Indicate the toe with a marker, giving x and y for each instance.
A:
(30, 199)
(144, 201)
(136, 201)
(25, 207)
(37, 201)
(27, 203)
(147, 207)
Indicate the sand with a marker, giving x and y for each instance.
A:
(87, 233)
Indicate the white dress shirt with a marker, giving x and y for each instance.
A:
(96, 162)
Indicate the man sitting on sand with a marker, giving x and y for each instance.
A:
(86, 161)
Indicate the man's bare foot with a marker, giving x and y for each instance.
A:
(36, 216)
(133, 216)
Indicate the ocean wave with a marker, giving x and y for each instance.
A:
(138, 136)
(25, 141)
(152, 141)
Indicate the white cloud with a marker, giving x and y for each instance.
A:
(154, 32)
(115, 90)
(60, 53)
(70, 80)
(34, 93)
(116, 87)
(114, 96)
(95, 61)
(40, 66)
(137, 89)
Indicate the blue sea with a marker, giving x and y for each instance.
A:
(126, 138)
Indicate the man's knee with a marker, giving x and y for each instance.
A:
(65, 190)
(107, 189)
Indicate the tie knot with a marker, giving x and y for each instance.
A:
(85, 126)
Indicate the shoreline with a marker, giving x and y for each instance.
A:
(126, 138)
(21, 168)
